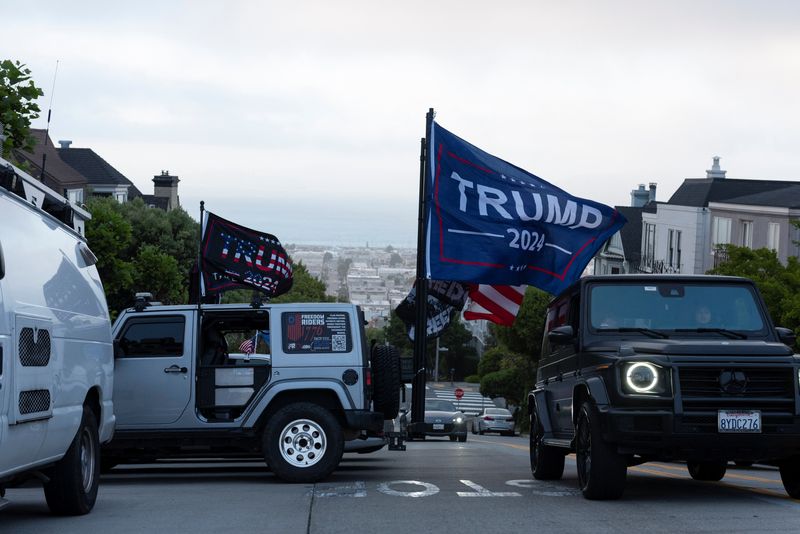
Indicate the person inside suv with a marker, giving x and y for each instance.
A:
(216, 348)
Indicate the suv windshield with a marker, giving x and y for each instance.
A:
(675, 307)
(438, 405)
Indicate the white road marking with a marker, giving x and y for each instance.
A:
(430, 489)
(480, 491)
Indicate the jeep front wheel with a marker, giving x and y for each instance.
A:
(72, 488)
(547, 463)
(303, 442)
(601, 469)
(708, 471)
(790, 476)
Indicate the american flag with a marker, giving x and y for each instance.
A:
(248, 346)
(499, 304)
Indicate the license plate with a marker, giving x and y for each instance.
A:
(438, 426)
(739, 421)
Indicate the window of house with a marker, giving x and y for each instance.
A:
(747, 234)
(649, 248)
(674, 248)
(721, 231)
(773, 236)
(75, 195)
(120, 197)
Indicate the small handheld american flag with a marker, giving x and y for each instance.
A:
(248, 346)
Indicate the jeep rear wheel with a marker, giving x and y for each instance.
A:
(72, 488)
(303, 442)
(547, 463)
(708, 471)
(386, 380)
(790, 476)
(601, 470)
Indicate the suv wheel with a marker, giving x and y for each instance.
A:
(547, 463)
(303, 442)
(790, 475)
(601, 470)
(709, 471)
(386, 380)
(72, 489)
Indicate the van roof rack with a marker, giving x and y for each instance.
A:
(35, 193)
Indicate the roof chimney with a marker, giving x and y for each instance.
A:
(639, 197)
(715, 171)
(64, 144)
(652, 191)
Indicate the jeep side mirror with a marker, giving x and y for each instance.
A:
(563, 335)
(786, 336)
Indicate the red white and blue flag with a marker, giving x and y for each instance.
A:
(498, 304)
(234, 256)
(491, 222)
(248, 346)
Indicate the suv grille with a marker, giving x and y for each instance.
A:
(736, 382)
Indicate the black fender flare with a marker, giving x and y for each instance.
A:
(536, 398)
(595, 389)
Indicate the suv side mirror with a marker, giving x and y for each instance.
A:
(786, 336)
(563, 335)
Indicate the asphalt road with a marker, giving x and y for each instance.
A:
(483, 485)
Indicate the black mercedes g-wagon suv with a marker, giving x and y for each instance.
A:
(637, 368)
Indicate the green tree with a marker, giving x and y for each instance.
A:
(109, 235)
(395, 260)
(160, 274)
(305, 288)
(18, 106)
(778, 284)
(460, 354)
(508, 369)
(141, 249)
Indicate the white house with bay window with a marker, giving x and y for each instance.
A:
(682, 234)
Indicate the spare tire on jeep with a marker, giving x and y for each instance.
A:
(386, 380)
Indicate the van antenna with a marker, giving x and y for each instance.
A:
(47, 130)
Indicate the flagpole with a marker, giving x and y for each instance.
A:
(421, 298)
(201, 288)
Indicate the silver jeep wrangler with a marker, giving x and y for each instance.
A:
(291, 382)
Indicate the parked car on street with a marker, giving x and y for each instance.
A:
(307, 385)
(442, 419)
(494, 420)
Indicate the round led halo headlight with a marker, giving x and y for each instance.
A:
(642, 377)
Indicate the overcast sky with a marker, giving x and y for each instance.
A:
(303, 118)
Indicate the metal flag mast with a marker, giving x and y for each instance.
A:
(421, 298)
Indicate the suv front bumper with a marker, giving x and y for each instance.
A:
(694, 436)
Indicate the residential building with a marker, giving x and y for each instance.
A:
(44, 162)
(682, 235)
(622, 252)
(78, 173)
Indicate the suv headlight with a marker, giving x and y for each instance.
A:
(643, 377)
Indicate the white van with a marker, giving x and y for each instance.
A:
(56, 355)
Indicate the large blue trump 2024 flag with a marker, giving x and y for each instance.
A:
(490, 222)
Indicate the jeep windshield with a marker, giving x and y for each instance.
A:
(670, 309)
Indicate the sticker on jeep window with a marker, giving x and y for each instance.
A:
(310, 332)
